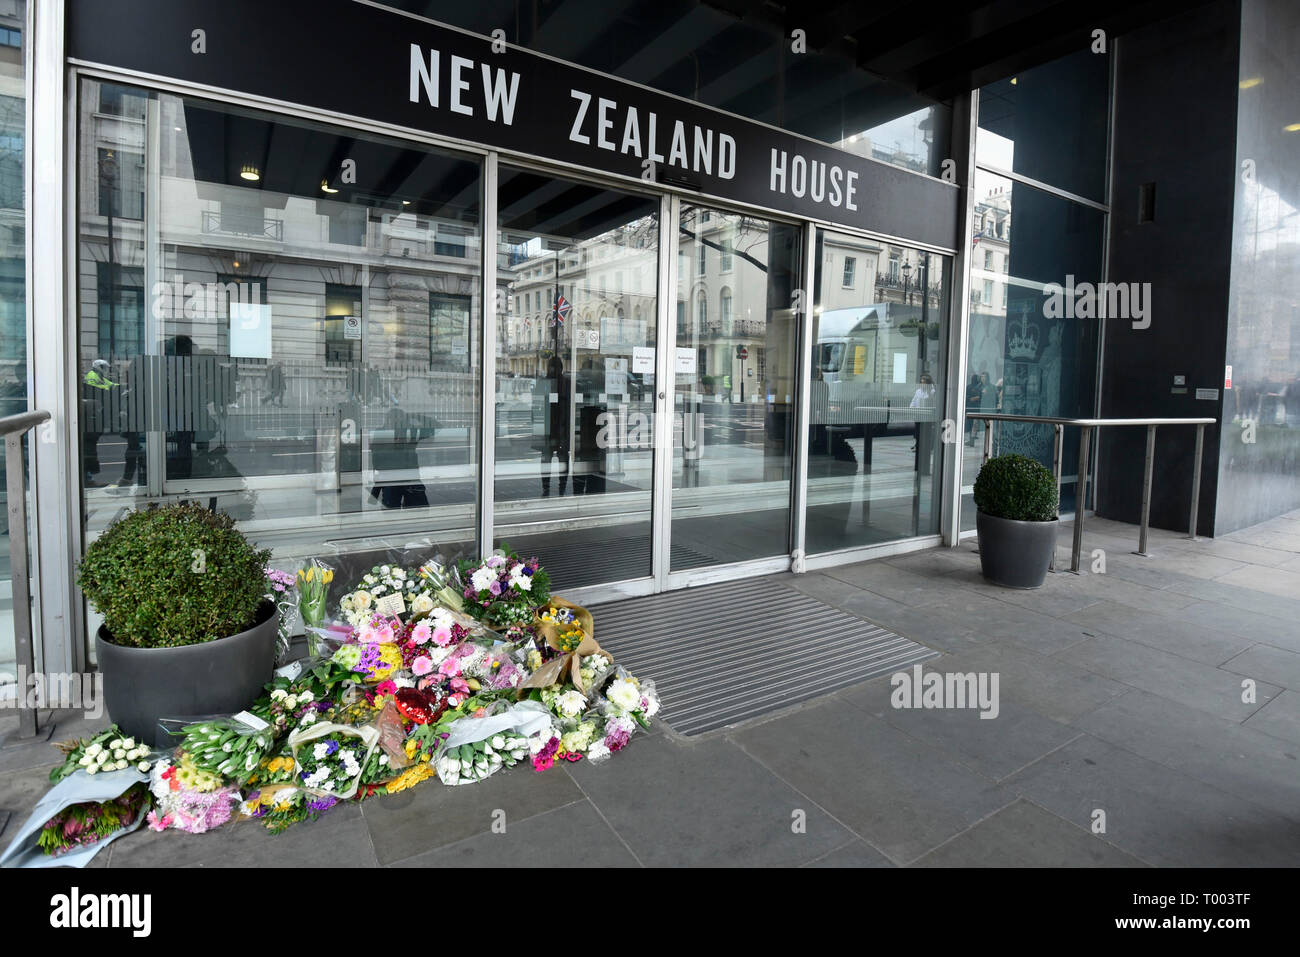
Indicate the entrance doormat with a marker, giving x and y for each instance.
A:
(723, 654)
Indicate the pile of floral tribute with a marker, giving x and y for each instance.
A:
(449, 672)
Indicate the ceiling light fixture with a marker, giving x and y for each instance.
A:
(1250, 82)
(250, 173)
(325, 187)
(1292, 127)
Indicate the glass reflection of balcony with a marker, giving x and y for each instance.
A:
(213, 222)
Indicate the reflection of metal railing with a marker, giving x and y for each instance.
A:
(1085, 447)
(213, 222)
(13, 427)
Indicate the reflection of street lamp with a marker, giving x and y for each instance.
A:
(107, 188)
(907, 275)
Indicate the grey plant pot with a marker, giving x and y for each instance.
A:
(142, 685)
(1015, 554)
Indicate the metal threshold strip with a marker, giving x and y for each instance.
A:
(728, 653)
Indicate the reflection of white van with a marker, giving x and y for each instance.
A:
(859, 355)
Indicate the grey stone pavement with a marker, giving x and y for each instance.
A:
(1121, 704)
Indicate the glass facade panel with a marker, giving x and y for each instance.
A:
(878, 381)
(1050, 124)
(274, 321)
(1030, 352)
(575, 377)
(13, 279)
(734, 395)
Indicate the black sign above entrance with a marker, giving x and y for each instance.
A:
(356, 59)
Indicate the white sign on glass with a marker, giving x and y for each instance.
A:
(900, 366)
(250, 331)
(616, 376)
(686, 362)
(643, 359)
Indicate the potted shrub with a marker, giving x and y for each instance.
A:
(188, 629)
(1016, 519)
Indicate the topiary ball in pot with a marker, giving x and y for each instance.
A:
(1016, 498)
(188, 629)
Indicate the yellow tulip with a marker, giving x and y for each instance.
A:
(329, 577)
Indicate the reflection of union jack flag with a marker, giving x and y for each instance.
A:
(561, 311)
(975, 240)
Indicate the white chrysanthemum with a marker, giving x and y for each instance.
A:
(570, 704)
(482, 579)
(623, 694)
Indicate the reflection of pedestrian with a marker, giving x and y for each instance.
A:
(555, 441)
(136, 407)
(97, 405)
(974, 400)
(274, 385)
(180, 357)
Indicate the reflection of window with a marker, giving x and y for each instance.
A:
(121, 184)
(450, 242)
(988, 291)
(120, 313)
(702, 309)
(724, 262)
(701, 262)
(726, 309)
(342, 339)
(988, 259)
(11, 38)
(121, 101)
(895, 264)
(449, 332)
(850, 268)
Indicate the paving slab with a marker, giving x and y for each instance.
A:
(1180, 679)
(1158, 815)
(1023, 835)
(432, 815)
(1264, 662)
(571, 836)
(708, 803)
(1182, 638)
(1279, 718)
(1256, 767)
(899, 793)
(856, 854)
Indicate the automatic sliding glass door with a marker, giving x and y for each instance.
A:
(577, 274)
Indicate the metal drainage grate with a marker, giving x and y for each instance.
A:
(723, 654)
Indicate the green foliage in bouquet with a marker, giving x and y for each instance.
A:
(80, 825)
(1017, 488)
(503, 589)
(174, 575)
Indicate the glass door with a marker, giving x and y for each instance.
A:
(577, 276)
(734, 394)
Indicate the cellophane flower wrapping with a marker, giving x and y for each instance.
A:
(189, 801)
(477, 748)
(79, 790)
(330, 757)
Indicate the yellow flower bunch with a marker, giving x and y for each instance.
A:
(409, 747)
(410, 777)
(191, 776)
(309, 575)
(390, 657)
(571, 639)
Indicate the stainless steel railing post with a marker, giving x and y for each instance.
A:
(1058, 445)
(1080, 495)
(1196, 483)
(1146, 491)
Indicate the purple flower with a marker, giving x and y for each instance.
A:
(331, 746)
(324, 804)
(495, 588)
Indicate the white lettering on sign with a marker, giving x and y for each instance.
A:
(821, 182)
(500, 89)
(693, 150)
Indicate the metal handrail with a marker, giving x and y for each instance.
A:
(13, 428)
(1085, 447)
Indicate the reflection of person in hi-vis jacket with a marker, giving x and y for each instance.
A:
(96, 410)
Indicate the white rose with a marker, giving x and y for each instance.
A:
(385, 569)
(305, 697)
(422, 605)
(92, 769)
(93, 750)
(128, 744)
(398, 574)
(119, 765)
(361, 600)
(142, 766)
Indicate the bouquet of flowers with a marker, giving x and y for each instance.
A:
(110, 750)
(629, 697)
(382, 581)
(331, 757)
(228, 747)
(281, 806)
(284, 594)
(313, 592)
(373, 654)
(503, 589)
(188, 799)
(438, 578)
(467, 763)
(90, 822)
